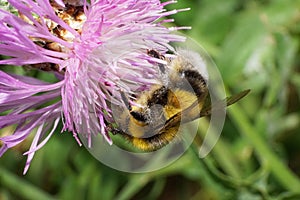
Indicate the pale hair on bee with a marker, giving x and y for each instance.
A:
(192, 59)
(153, 119)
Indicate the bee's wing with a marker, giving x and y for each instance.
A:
(206, 110)
(236, 97)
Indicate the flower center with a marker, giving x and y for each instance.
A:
(73, 16)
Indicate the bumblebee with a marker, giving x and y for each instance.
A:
(152, 120)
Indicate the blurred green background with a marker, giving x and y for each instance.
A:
(255, 44)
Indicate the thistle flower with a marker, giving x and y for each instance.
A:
(95, 49)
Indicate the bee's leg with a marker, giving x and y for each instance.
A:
(153, 53)
(116, 131)
(162, 68)
(125, 100)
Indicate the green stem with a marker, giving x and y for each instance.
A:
(283, 174)
(223, 155)
(20, 187)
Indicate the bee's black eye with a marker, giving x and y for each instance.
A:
(181, 74)
(139, 116)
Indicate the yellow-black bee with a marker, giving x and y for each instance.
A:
(154, 117)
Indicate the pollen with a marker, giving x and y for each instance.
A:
(73, 16)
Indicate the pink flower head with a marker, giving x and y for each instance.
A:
(96, 50)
